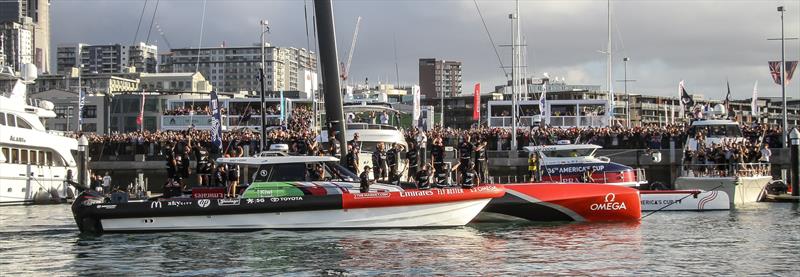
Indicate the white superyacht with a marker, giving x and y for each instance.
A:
(35, 163)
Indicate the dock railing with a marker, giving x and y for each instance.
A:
(726, 170)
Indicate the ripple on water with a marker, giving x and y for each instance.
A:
(757, 239)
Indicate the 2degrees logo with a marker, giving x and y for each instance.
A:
(610, 204)
(203, 203)
(155, 205)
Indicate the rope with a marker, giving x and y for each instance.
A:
(494, 46)
(152, 20)
(200, 43)
(138, 26)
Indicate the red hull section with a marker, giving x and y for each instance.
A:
(568, 202)
(419, 197)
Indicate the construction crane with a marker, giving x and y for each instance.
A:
(345, 67)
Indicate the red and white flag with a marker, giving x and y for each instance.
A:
(476, 102)
(140, 118)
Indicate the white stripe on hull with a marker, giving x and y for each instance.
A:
(429, 215)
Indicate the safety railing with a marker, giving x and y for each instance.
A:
(726, 170)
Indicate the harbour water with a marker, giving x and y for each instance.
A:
(760, 238)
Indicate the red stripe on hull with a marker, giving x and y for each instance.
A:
(419, 197)
(592, 202)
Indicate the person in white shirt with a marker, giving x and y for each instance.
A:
(107, 182)
(385, 118)
(765, 154)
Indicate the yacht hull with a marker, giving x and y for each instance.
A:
(564, 202)
(415, 208)
(741, 190)
(684, 200)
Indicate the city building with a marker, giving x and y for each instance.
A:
(233, 69)
(436, 76)
(93, 83)
(16, 44)
(36, 14)
(176, 82)
(112, 58)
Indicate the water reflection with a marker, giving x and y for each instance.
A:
(44, 241)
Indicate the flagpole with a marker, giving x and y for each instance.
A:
(783, 83)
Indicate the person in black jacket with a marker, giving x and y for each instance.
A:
(393, 162)
(379, 162)
(365, 181)
(423, 177)
(351, 160)
(412, 160)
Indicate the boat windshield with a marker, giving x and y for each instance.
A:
(722, 130)
(304, 172)
(567, 153)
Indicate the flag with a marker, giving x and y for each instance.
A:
(140, 118)
(542, 99)
(775, 71)
(283, 109)
(727, 96)
(415, 113)
(81, 105)
(790, 67)
(476, 102)
(216, 126)
(754, 101)
(686, 99)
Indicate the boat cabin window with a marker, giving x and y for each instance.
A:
(23, 124)
(292, 172)
(5, 154)
(11, 120)
(722, 130)
(2, 119)
(32, 157)
(24, 156)
(568, 153)
(14, 156)
(41, 158)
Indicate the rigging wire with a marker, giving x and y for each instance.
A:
(489, 34)
(135, 35)
(200, 43)
(152, 20)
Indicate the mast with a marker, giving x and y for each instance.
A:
(330, 72)
(608, 69)
(514, 73)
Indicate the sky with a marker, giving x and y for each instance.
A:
(704, 42)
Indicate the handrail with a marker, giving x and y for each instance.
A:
(726, 170)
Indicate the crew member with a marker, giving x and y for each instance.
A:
(233, 180)
(413, 159)
(423, 177)
(465, 150)
(379, 162)
(365, 181)
(437, 156)
(351, 160)
(393, 161)
(480, 159)
(469, 177)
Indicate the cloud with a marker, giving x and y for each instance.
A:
(703, 42)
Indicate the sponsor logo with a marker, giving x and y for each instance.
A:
(155, 205)
(208, 195)
(416, 193)
(255, 201)
(574, 169)
(286, 199)
(450, 191)
(485, 188)
(371, 195)
(203, 203)
(228, 202)
(174, 203)
(610, 204)
(108, 207)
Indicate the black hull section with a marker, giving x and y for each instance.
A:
(511, 205)
(90, 207)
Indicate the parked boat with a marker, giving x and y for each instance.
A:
(284, 196)
(743, 182)
(35, 163)
(684, 200)
(577, 163)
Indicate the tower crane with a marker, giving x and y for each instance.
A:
(345, 67)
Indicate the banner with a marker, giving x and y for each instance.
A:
(81, 105)
(283, 109)
(754, 100)
(140, 118)
(476, 102)
(216, 126)
(416, 112)
(542, 99)
(775, 71)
